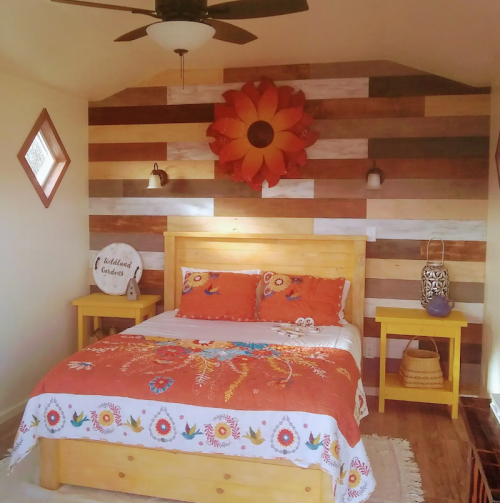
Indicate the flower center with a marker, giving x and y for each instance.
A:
(260, 134)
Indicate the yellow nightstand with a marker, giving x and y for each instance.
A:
(416, 322)
(99, 305)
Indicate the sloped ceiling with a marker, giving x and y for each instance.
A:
(72, 48)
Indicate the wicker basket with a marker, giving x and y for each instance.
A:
(420, 368)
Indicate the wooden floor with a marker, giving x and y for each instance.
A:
(439, 444)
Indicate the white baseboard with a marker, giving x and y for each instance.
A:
(6, 414)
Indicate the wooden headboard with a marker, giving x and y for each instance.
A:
(321, 256)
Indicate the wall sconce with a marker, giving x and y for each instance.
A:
(158, 178)
(374, 178)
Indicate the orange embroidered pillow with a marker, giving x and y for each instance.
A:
(287, 298)
(219, 296)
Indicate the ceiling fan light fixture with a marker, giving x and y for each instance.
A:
(180, 35)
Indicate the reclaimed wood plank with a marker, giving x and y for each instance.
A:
(428, 147)
(472, 251)
(376, 68)
(339, 149)
(116, 152)
(172, 114)
(411, 290)
(190, 151)
(127, 224)
(405, 127)
(207, 76)
(314, 90)
(134, 96)
(290, 189)
(140, 241)
(362, 108)
(245, 225)
(428, 209)
(149, 133)
(435, 169)
(139, 170)
(474, 104)
(276, 72)
(464, 272)
(187, 188)
(106, 188)
(160, 206)
(408, 249)
(420, 85)
(457, 230)
(406, 189)
(291, 208)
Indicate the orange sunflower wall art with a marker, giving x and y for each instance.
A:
(261, 133)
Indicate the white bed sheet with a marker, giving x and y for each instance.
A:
(167, 325)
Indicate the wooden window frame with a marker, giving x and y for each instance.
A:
(45, 126)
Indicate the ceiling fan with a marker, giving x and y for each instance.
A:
(197, 12)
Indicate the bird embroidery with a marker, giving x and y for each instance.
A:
(35, 422)
(255, 438)
(78, 420)
(190, 433)
(314, 443)
(134, 425)
(210, 290)
(293, 296)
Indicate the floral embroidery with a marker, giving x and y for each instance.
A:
(160, 384)
(254, 436)
(344, 372)
(162, 427)
(285, 438)
(107, 418)
(275, 283)
(222, 431)
(197, 279)
(358, 478)
(223, 354)
(354, 478)
(314, 442)
(54, 417)
(190, 433)
(134, 424)
(335, 449)
(80, 365)
(78, 419)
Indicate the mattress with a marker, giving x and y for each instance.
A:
(346, 337)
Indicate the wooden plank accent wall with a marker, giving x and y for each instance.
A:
(429, 135)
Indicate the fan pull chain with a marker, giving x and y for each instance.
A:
(181, 53)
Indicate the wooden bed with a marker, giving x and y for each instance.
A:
(205, 478)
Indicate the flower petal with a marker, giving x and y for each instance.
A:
(268, 104)
(251, 91)
(284, 92)
(252, 163)
(287, 141)
(287, 118)
(221, 111)
(299, 158)
(265, 84)
(272, 178)
(245, 108)
(217, 145)
(274, 160)
(229, 96)
(234, 150)
(298, 99)
(233, 128)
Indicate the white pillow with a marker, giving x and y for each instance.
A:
(345, 293)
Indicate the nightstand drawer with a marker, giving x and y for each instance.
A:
(416, 329)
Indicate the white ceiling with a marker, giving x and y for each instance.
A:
(72, 48)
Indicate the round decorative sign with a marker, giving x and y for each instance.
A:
(115, 266)
(261, 133)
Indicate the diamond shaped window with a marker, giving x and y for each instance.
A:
(44, 158)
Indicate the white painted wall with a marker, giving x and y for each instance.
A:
(43, 252)
(491, 335)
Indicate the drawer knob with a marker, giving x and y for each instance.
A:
(121, 475)
(308, 489)
(227, 476)
(131, 458)
(220, 491)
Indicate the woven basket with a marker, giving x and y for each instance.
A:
(420, 368)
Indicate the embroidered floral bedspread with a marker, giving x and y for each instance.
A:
(253, 400)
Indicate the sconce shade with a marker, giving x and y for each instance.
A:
(373, 181)
(184, 35)
(154, 182)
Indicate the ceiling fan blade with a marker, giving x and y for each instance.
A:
(230, 33)
(250, 9)
(133, 10)
(134, 34)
